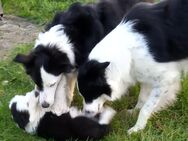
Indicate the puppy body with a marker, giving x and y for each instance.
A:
(29, 116)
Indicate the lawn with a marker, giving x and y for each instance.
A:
(168, 125)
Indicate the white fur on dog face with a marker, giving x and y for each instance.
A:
(50, 83)
(95, 106)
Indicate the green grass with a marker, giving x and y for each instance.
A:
(39, 11)
(168, 125)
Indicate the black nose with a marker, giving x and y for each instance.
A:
(87, 112)
(45, 105)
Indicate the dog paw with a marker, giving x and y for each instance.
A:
(59, 111)
(130, 111)
(134, 129)
(74, 112)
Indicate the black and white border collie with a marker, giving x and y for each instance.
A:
(34, 119)
(149, 46)
(65, 45)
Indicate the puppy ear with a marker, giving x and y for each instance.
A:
(104, 65)
(23, 59)
(95, 68)
(67, 68)
(26, 60)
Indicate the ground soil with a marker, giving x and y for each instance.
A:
(15, 31)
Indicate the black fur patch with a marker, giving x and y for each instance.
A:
(21, 118)
(64, 127)
(164, 26)
(91, 80)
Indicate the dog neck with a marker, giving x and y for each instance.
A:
(120, 43)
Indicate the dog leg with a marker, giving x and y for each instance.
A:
(61, 104)
(64, 94)
(157, 100)
(142, 98)
(143, 95)
(71, 79)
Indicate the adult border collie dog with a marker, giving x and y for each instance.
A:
(149, 46)
(34, 119)
(65, 45)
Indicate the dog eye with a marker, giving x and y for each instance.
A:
(52, 84)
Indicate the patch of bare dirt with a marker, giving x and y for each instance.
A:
(14, 31)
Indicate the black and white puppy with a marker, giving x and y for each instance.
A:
(149, 46)
(65, 45)
(29, 115)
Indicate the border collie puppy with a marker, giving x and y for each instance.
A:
(65, 45)
(29, 115)
(149, 46)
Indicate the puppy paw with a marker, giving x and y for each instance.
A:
(59, 110)
(74, 112)
(130, 111)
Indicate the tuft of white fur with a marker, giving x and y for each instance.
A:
(75, 112)
(50, 84)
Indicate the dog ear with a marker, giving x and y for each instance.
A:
(104, 65)
(23, 59)
(95, 68)
(66, 67)
(26, 60)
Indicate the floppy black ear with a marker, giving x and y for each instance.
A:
(95, 68)
(23, 59)
(66, 68)
(104, 65)
(26, 60)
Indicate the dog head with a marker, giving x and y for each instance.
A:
(57, 51)
(25, 111)
(93, 86)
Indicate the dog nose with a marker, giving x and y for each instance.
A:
(89, 113)
(45, 105)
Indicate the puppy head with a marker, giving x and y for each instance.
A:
(93, 86)
(23, 108)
